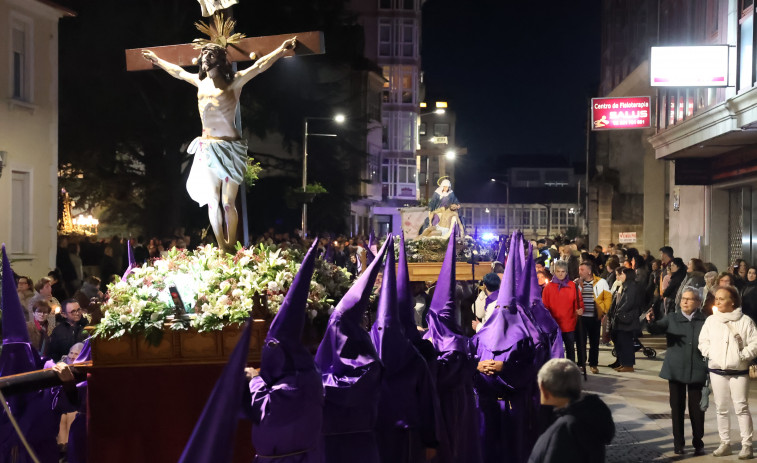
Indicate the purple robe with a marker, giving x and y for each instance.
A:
(351, 373)
(406, 423)
(33, 411)
(508, 415)
(286, 399)
(454, 369)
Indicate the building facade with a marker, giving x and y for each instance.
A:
(392, 40)
(29, 133)
(627, 188)
(707, 136)
(535, 220)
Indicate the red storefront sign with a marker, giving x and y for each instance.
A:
(621, 113)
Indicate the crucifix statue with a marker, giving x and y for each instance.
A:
(220, 154)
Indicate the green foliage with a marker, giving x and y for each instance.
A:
(252, 172)
(315, 188)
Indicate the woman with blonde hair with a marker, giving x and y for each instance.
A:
(729, 341)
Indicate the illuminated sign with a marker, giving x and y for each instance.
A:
(705, 66)
(621, 113)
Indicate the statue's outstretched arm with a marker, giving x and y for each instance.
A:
(244, 76)
(172, 69)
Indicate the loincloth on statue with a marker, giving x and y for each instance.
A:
(441, 222)
(225, 160)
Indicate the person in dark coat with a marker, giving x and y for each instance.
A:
(583, 424)
(684, 366)
(676, 279)
(625, 319)
(749, 294)
(69, 331)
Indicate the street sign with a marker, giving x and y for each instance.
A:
(627, 237)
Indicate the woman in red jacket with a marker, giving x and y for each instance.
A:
(561, 298)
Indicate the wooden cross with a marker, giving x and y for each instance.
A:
(308, 43)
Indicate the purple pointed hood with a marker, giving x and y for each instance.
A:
(444, 331)
(346, 345)
(132, 261)
(370, 250)
(405, 302)
(388, 334)
(328, 254)
(530, 298)
(86, 352)
(516, 253)
(504, 328)
(17, 355)
(283, 351)
(214, 433)
(507, 287)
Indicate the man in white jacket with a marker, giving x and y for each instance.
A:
(729, 341)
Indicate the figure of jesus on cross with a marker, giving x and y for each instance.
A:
(220, 154)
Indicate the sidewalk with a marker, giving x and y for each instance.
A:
(640, 408)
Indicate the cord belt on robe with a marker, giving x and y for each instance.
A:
(271, 457)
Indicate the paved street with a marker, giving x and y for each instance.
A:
(639, 403)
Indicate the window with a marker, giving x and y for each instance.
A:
(21, 62)
(441, 130)
(408, 4)
(746, 63)
(400, 130)
(398, 177)
(407, 41)
(563, 216)
(21, 208)
(422, 129)
(385, 4)
(526, 218)
(401, 84)
(542, 218)
(397, 37)
(385, 37)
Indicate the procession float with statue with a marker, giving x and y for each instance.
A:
(173, 322)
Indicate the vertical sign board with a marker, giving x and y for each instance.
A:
(627, 237)
(621, 113)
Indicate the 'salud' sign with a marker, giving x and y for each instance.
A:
(621, 113)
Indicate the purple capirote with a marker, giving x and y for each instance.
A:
(351, 373)
(286, 403)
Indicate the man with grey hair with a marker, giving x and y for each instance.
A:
(583, 424)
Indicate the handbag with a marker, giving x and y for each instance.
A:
(704, 402)
(753, 371)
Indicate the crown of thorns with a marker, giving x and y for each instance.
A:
(220, 35)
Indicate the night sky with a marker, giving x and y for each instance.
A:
(517, 74)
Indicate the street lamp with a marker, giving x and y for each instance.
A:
(339, 119)
(450, 155)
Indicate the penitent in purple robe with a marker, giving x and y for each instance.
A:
(286, 406)
(455, 369)
(406, 415)
(75, 401)
(351, 372)
(506, 397)
(33, 411)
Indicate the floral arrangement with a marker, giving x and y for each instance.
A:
(432, 249)
(217, 289)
